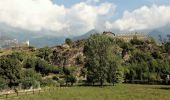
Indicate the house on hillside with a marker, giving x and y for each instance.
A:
(129, 36)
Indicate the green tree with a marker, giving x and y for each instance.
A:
(115, 72)
(98, 51)
(68, 41)
(45, 53)
(30, 79)
(70, 79)
(29, 62)
(69, 75)
(3, 84)
(17, 55)
(44, 67)
(167, 47)
(10, 70)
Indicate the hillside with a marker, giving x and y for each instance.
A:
(162, 31)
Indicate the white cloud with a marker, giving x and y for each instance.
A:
(37, 15)
(93, 1)
(84, 17)
(142, 18)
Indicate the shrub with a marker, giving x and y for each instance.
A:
(30, 79)
(55, 78)
(80, 59)
(61, 82)
(28, 83)
(68, 41)
(49, 82)
(29, 63)
(3, 84)
(70, 79)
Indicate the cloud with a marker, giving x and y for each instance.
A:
(37, 15)
(84, 17)
(142, 18)
(92, 1)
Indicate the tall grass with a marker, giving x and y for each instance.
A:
(118, 92)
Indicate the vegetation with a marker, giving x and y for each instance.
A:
(10, 71)
(98, 60)
(68, 41)
(118, 92)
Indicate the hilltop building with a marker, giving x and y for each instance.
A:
(127, 36)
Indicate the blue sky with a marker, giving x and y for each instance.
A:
(121, 4)
(75, 17)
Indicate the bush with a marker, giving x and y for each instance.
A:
(70, 79)
(119, 76)
(30, 79)
(10, 69)
(68, 41)
(61, 82)
(49, 82)
(3, 84)
(28, 83)
(55, 78)
(45, 68)
(29, 63)
(80, 59)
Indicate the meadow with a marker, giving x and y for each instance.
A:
(118, 92)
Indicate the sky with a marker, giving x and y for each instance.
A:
(76, 17)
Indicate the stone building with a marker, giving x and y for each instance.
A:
(129, 36)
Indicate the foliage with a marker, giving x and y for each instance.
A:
(98, 59)
(61, 82)
(10, 70)
(68, 41)
(136, 41)
(3, 84)
(70, 79)
(69, 75)
(55, 78)
(44, 53)
(17, 55)
(80, 59)
(29, 62)
(30, 79)
(167, 47)
(44, 68)
(49, 82)
(102, 60)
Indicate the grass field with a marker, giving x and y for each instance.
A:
(119, 92)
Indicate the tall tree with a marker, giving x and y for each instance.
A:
(99, 52)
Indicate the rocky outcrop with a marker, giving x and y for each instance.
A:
(68, 55)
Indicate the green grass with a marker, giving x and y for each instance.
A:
(119, 92)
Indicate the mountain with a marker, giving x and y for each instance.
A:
(86, 35)
(4, 38)
(37, 39)
(46, 41)
(162, 31)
